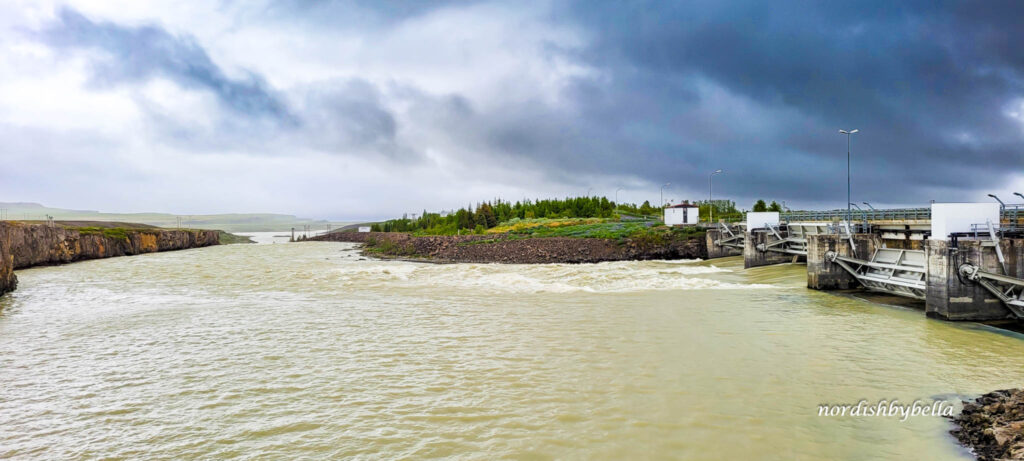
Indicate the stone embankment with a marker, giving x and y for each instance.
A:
(519, 250)
(34, 244)
(993, 425)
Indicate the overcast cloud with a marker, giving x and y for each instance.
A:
(368, 109)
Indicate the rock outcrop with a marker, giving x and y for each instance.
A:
(27, 244)
(518, 250)
(993, 425)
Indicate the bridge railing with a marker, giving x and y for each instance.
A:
(870, 215)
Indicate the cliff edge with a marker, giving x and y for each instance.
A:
(24, 244)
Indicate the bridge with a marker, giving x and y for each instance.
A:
(965, 261)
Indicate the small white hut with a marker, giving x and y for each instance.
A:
(683, 214)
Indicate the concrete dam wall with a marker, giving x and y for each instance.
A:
(25, 245)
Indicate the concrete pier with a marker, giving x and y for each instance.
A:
(752, 257)
(823, 274)
(716, 251)
(950, 297)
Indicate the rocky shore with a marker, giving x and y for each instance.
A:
(993, 425)
(503, 248)
(33, 244)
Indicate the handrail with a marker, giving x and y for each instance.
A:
(1011, 212)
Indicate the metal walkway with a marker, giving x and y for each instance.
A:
(893, 271)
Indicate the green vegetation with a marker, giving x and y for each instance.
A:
(227, 238)
(605, 230)
(645, 210)
(120, 233)
(488, 215)
(722, 213)
(388, 247)
(584, 217)
(761, 206)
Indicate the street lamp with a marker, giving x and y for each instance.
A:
(1001, 204)
(1018, 194)
(869, 206)
(662, 204)
(617, 196)
(711, 208)
(848, 136)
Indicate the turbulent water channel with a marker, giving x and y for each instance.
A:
(308, 350)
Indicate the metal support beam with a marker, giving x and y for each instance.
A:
(893, 271)
(1008, 289)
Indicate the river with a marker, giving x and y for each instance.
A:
(307, 350)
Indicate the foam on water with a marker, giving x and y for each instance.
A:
(608, 277)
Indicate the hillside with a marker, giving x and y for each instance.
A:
(232, 222)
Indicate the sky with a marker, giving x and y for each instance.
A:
(370, 109)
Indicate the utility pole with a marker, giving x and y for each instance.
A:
(848, 134)
(711, 207)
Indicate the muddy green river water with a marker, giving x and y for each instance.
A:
(307, 351)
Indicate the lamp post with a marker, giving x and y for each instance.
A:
(617, 196)
(1018, 194)
(869, 206)
(711, 208)
(1001, 204)
(865, 215)
(662, 203)
(848, 135)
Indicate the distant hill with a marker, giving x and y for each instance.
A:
(232, 222)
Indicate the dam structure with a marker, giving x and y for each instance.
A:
(965, 261)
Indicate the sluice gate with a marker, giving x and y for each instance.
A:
(1009, 290)
(893, 271)
(730, 237)
(965, 261)
(791, 238)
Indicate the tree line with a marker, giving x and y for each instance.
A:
(489, 214)
(760, 205)
(486, 215)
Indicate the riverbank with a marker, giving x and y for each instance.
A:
(514, 249)
(993, 425)
(28, 244)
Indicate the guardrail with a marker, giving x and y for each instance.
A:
(1012, 213)
(870, 215)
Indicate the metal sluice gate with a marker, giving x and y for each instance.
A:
(795, 241)
(1008, 289)
(730, 238)
(890, 270)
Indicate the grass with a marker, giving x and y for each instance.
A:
(120, 233)
(595, 228)
(388, 247)
(521, 225)
(227, 238)
(604, 230)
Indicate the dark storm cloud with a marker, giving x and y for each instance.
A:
(138, 54)
(926, 83)
(672, 91)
